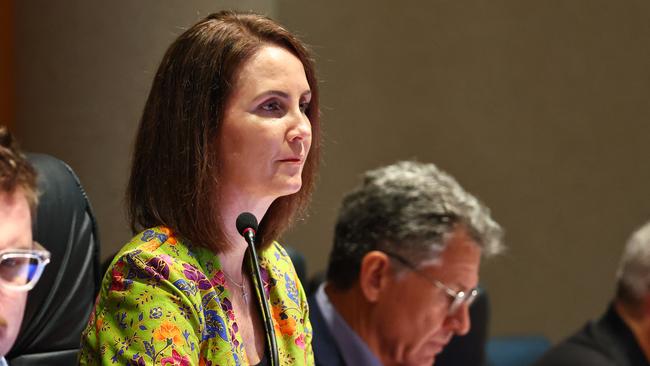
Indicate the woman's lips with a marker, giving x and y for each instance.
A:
(291, 160)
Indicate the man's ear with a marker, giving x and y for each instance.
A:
(375, 274)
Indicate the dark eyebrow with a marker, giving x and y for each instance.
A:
(275, 93)
(281, 94)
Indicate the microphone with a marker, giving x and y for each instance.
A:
(247, 227)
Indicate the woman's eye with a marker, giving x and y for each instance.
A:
(271, 106)
(304, 106)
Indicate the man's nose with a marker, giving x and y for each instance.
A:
(460, 321)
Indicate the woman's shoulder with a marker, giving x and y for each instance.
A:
(167, 298)
(289, 308)
(275, 255)
(157, 241)
(280, 274)
(152, 239)
(159, 249)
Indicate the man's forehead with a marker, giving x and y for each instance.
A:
(468, 258)
(458, 263)
(15, 221)
(457, 242)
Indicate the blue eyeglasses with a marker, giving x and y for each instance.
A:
(20, 269)
(458, 298)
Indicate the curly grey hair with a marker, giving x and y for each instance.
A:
(407, 208)
(633, 273)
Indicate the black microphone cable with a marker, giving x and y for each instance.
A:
(247, 227)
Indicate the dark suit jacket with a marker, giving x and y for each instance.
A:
(326, 351)
(606, 342)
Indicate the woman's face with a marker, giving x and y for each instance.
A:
(266, 135)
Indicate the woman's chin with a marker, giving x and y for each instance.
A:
(290, 187)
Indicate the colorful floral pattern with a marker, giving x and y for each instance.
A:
(165, 302)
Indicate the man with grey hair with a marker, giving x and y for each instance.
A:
(403, 269)
(622, 335)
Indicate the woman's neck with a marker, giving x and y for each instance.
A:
(232, 204)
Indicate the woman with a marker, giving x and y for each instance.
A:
(231, 125)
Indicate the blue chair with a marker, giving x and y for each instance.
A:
(521, 350)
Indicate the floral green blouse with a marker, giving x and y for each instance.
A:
(166, 302)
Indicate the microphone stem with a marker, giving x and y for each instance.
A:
(261, 295)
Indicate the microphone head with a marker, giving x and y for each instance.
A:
(246, 220)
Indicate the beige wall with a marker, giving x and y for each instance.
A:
(540, 108)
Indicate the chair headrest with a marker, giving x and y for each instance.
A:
(59, 306)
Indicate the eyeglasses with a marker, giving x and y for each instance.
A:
(458, 298)
(20, 269)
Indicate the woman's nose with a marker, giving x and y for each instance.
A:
(300, 128)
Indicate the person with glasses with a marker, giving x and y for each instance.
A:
(403, 269)
(21, 259)
(621, 336)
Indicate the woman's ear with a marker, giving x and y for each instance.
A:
(375, 275)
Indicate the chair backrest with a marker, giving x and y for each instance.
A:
(314, 282)
(521, 350)
(58, 307)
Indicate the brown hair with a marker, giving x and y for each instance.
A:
(15, 170)
(175, 171)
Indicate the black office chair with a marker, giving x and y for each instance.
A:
(58, 307)
(314, 282)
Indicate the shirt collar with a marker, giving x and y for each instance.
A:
(353, 349)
